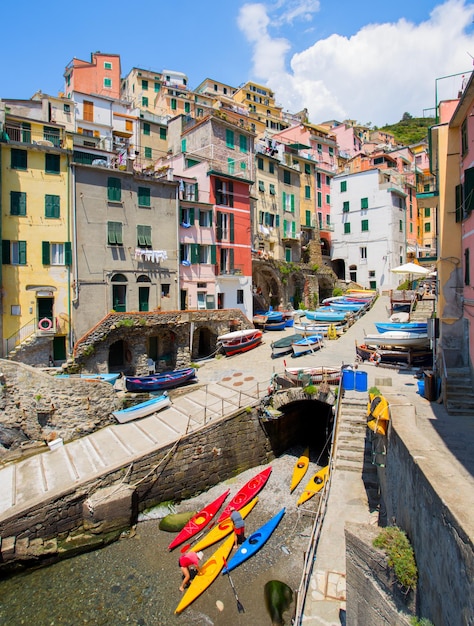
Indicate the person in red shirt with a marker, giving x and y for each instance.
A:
(189, 562)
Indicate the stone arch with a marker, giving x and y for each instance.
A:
(143, 279)
(120, 355)
(339, 267)
(268, 287)
(162, 348)
(203, 342)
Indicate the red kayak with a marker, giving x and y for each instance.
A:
(198, 521)
(248, 491)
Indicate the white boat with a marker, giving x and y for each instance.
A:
(307, 344)
(240, 340)
(397, 338)
(143, 409)
(331, 375)
(315, 328)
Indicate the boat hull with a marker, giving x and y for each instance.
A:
(397, 338)
(240, 341)
(326, 316)
(402, 356)
(300, 469)
(248, 491)
(408, 327)
(157, 382)
(314, 486)
(307, 344)
(143, 409)
(254, 543)
(207, 574)
(283, 346)
(331, 375)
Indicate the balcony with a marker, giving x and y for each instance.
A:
(326, 228)
(49, 137)
(237, 270)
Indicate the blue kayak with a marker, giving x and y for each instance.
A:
(254, 542)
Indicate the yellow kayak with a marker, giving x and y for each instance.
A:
(300, 469)
(223, 529)
(207, 574)
(315, 485)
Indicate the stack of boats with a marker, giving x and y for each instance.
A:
(397, 343)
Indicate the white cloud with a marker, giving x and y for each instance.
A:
(375, 75)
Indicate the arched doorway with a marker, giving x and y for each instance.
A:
(119, 293)
(204, 343)
(143, 293)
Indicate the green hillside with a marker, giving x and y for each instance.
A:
(410, 130)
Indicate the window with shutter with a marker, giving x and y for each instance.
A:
(46, 256)
(148, 153)
(18, 159)
(345, 207)
(364, 203)
(52, 206)
(364, 225)
(52, 164)
(272, 189)
(114, 233)
(307, 191)
(229, 138)
(261, 185)
(67, 253)
(347, 228)
(343, 185)
(114, 189)
(144, 236)
(146, 128)
(144, 198)
(88, 111)
(17, 203)
(243, 143)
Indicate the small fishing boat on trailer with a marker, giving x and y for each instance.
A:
(240, 340)
(307, 344)
(330, 375)
(143, 409)
(283, 346)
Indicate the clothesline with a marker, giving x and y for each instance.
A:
(155, 256)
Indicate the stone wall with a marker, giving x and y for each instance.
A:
(36, 405)
(191, 465)
(373, 597)
(412, 485)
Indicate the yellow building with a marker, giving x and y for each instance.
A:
(262, 109)
(36, 228)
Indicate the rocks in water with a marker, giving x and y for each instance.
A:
(175, 521)
(278, 597)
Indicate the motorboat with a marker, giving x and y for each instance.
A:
(240, 340)
(397, 338)
(307, 344)
(143, 409)
(158, 382)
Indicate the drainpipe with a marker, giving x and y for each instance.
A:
(178, 284)
(74, 231)
(68, 226)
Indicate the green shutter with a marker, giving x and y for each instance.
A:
(308, 218)
(292, 202)
(52, 206)
(261, 185)
(148, 153)
(261, 216)
(343, 185)
(213, 255)
(195, 253)
(307, 168)
(365, 225)
(277, 223)
(22, 252)
(146, 128)
(191, 215)
(243, 143)
(307, 191)
(459, 203)
(183, 145)
(144, 196)
(163, 133)
(231, 166)
(345, 207)
(364, 203)
(293, 230)
(173, 104)
(114, 189)
(210, 218)
(284, 200)
(67, 253)
(219, 226)
(19, 159)
(231, 236)
(347, 228)
(141, 236)
(52, 163)
(46, 253)
(6, 252)
(229, 138)
(17, 203)
(231, 259)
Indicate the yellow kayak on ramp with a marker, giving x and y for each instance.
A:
(315, 485)
(223, 529)
(300, 469)
(207, 574)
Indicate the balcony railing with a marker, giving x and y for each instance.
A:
(26, 135)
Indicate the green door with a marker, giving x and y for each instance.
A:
(143, 298)
(59, 348)
(119, 293)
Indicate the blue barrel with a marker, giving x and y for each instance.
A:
(348, 379)
(421, 387)
(361, 381)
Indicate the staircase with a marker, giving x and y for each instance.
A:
(459, 392)
(355, 451)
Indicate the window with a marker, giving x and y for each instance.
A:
(107, 65)
(229, 138)
(261, 185)
(57, 254)
(458, 203)
(307, 191)
(225, 226)
(240, 296)
(320, 148)
(183, 145)
(364, 225)
(226, 265)
(52, 206)
(331, 151)
(205, 254)
(364, 203)
(186, 217)
(185, 254)
(205, 218)
(148, 154)
(191, 192)
(144, 236)
(114, 233)
(427, 227)
(363, 253)
(307, 218)
(15, 309)
(144, 85)
(66, 108)
(328, 180)
(427, 212)
(467, 270)
(108, 83)
(230, 166)
(88, 111)
(328, 199)
(163, 133)
(464, 138)
(347, 228)
(345, 207)
(318, 180)
(225, 193)
(243, 143)
(174, 105)
(165, 290)
(157, 87)
(319, 199)
(187, 107)
(19, 159)
(144, 101)
(343, 185)
(260, 163)
(13, 252)
(52, 163)
(271, 167)
(320, 220)
(272, 190)
(114, 189)
(307, 168)
(17, 203)
(288, 202)
(144, 196)
(400, 226)
(287, 177)
(146, 128)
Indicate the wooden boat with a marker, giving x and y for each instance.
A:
(410, 356)
(400, 317)
(274, 316)
(326, 315)
(106, 378)
(222, 529)
(378, 414)
(348, 307)
(319, 328)
(307, 344)
(281, 325)
(331, 375)
(207, 574)
(397, 338)
(283, 346)
(409, 327)
(198, 521)
(143, 409)
(259, 320)
(256, 541)
(248, 491)
(240, 340)
(157, 382)
(300, 469)
(315, 485)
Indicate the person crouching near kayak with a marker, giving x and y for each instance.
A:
(239, 527)
(189, 564)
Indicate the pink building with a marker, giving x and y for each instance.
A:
(99, 76)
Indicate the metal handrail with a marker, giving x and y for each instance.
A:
(20, 335)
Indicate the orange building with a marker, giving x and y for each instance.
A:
(100, 76)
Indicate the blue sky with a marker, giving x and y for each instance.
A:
(366, 60)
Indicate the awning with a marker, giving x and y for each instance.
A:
(299, 146)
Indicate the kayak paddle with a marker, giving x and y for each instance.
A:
(240, 608)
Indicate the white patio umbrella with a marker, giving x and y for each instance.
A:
(412, 269)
